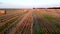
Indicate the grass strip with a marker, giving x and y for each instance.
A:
(38, 31)
(50, 18)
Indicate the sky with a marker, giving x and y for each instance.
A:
(29, 3)
(47, 3)
(15, 3)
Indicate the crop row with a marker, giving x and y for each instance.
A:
(10, 23)
(24, 27)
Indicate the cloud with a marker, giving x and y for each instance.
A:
(16, 3)
(29, 3)
(46, 3)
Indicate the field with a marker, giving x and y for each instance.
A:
(30, 21)
(46, 21)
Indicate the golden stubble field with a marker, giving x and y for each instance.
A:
(30, 21)
(46, 21)
(16, 18)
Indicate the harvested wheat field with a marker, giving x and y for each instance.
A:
(30, 21)
(46, 21)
